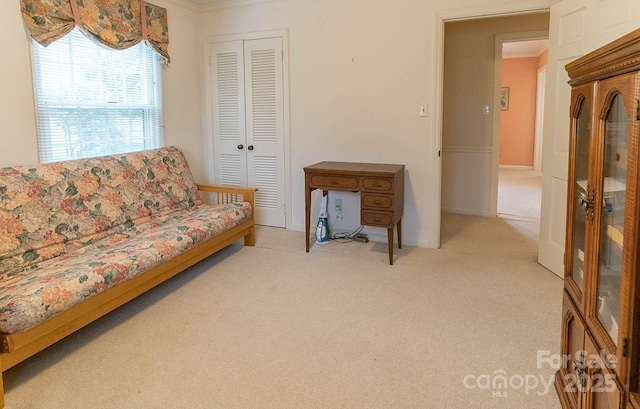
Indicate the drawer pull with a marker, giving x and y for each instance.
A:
(342, 182)
(381, 185)
(382, 219)
(383, 202)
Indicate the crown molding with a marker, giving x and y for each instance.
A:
(220, 5)
(229, 4)
(185, 4)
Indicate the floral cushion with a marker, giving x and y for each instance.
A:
(72, 229)
(51, 209)
(45, 289)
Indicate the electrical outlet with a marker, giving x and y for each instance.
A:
(338, 205)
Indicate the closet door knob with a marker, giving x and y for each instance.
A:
(250, 147)
(241, 146)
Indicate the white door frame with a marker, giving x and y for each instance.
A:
(442, 17)
(540, 95)
(208, 104)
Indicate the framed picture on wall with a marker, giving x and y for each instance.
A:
(504, 99)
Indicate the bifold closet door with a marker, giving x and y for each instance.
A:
(248, 121)
(229, 132)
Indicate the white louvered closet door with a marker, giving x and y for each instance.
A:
(265, 130)
(248, 121)
(229, 131)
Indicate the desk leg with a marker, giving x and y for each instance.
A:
(400, 233)
(390, 240)
(307, 213)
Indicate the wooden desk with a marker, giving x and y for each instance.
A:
(381, 188)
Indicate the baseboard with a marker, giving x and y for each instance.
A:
(516, 167)
(375, 234)
(469, 212)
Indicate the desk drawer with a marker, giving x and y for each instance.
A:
(328, 182)
(372, 201)
(379, 185)
(380, 219)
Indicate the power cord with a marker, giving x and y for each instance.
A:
(345, 237)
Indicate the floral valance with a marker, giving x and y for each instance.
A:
(117, 24)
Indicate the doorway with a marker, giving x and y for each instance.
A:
(522, 83)
(471, 108)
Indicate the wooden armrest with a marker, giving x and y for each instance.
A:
(230, 194)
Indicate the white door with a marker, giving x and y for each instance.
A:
(537, 150)
(576, 28)
(248, 121)
(229, 130)
(265, 120)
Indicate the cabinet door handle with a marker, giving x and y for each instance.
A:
(581, 369)
(593, 368)
(241, 146)
(250, 147)
(579, 366)
(586, 201)
(585, 370)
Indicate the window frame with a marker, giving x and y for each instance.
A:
(103, 115)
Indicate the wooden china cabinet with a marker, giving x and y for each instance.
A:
(601, 311)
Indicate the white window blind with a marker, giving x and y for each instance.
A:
(92, 100)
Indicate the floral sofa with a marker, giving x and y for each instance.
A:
(82, 237)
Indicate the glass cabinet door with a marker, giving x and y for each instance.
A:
(611, 221)
(580, 198)
(580, 191)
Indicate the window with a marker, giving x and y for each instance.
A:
(92, 100)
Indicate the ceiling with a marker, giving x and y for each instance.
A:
(216, 3)
(207, 2)
(523, 49)
(520, 49)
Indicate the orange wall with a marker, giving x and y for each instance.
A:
(517, 125)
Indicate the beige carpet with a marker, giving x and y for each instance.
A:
(519, 193)
(275, 327)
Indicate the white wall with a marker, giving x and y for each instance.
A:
(359, 69)
(356, 82)
(182, 87)
(18, 143)
(183, 113)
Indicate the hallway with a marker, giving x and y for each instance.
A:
(519, 194)
(516, 229)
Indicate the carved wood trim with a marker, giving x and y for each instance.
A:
(618, 57)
